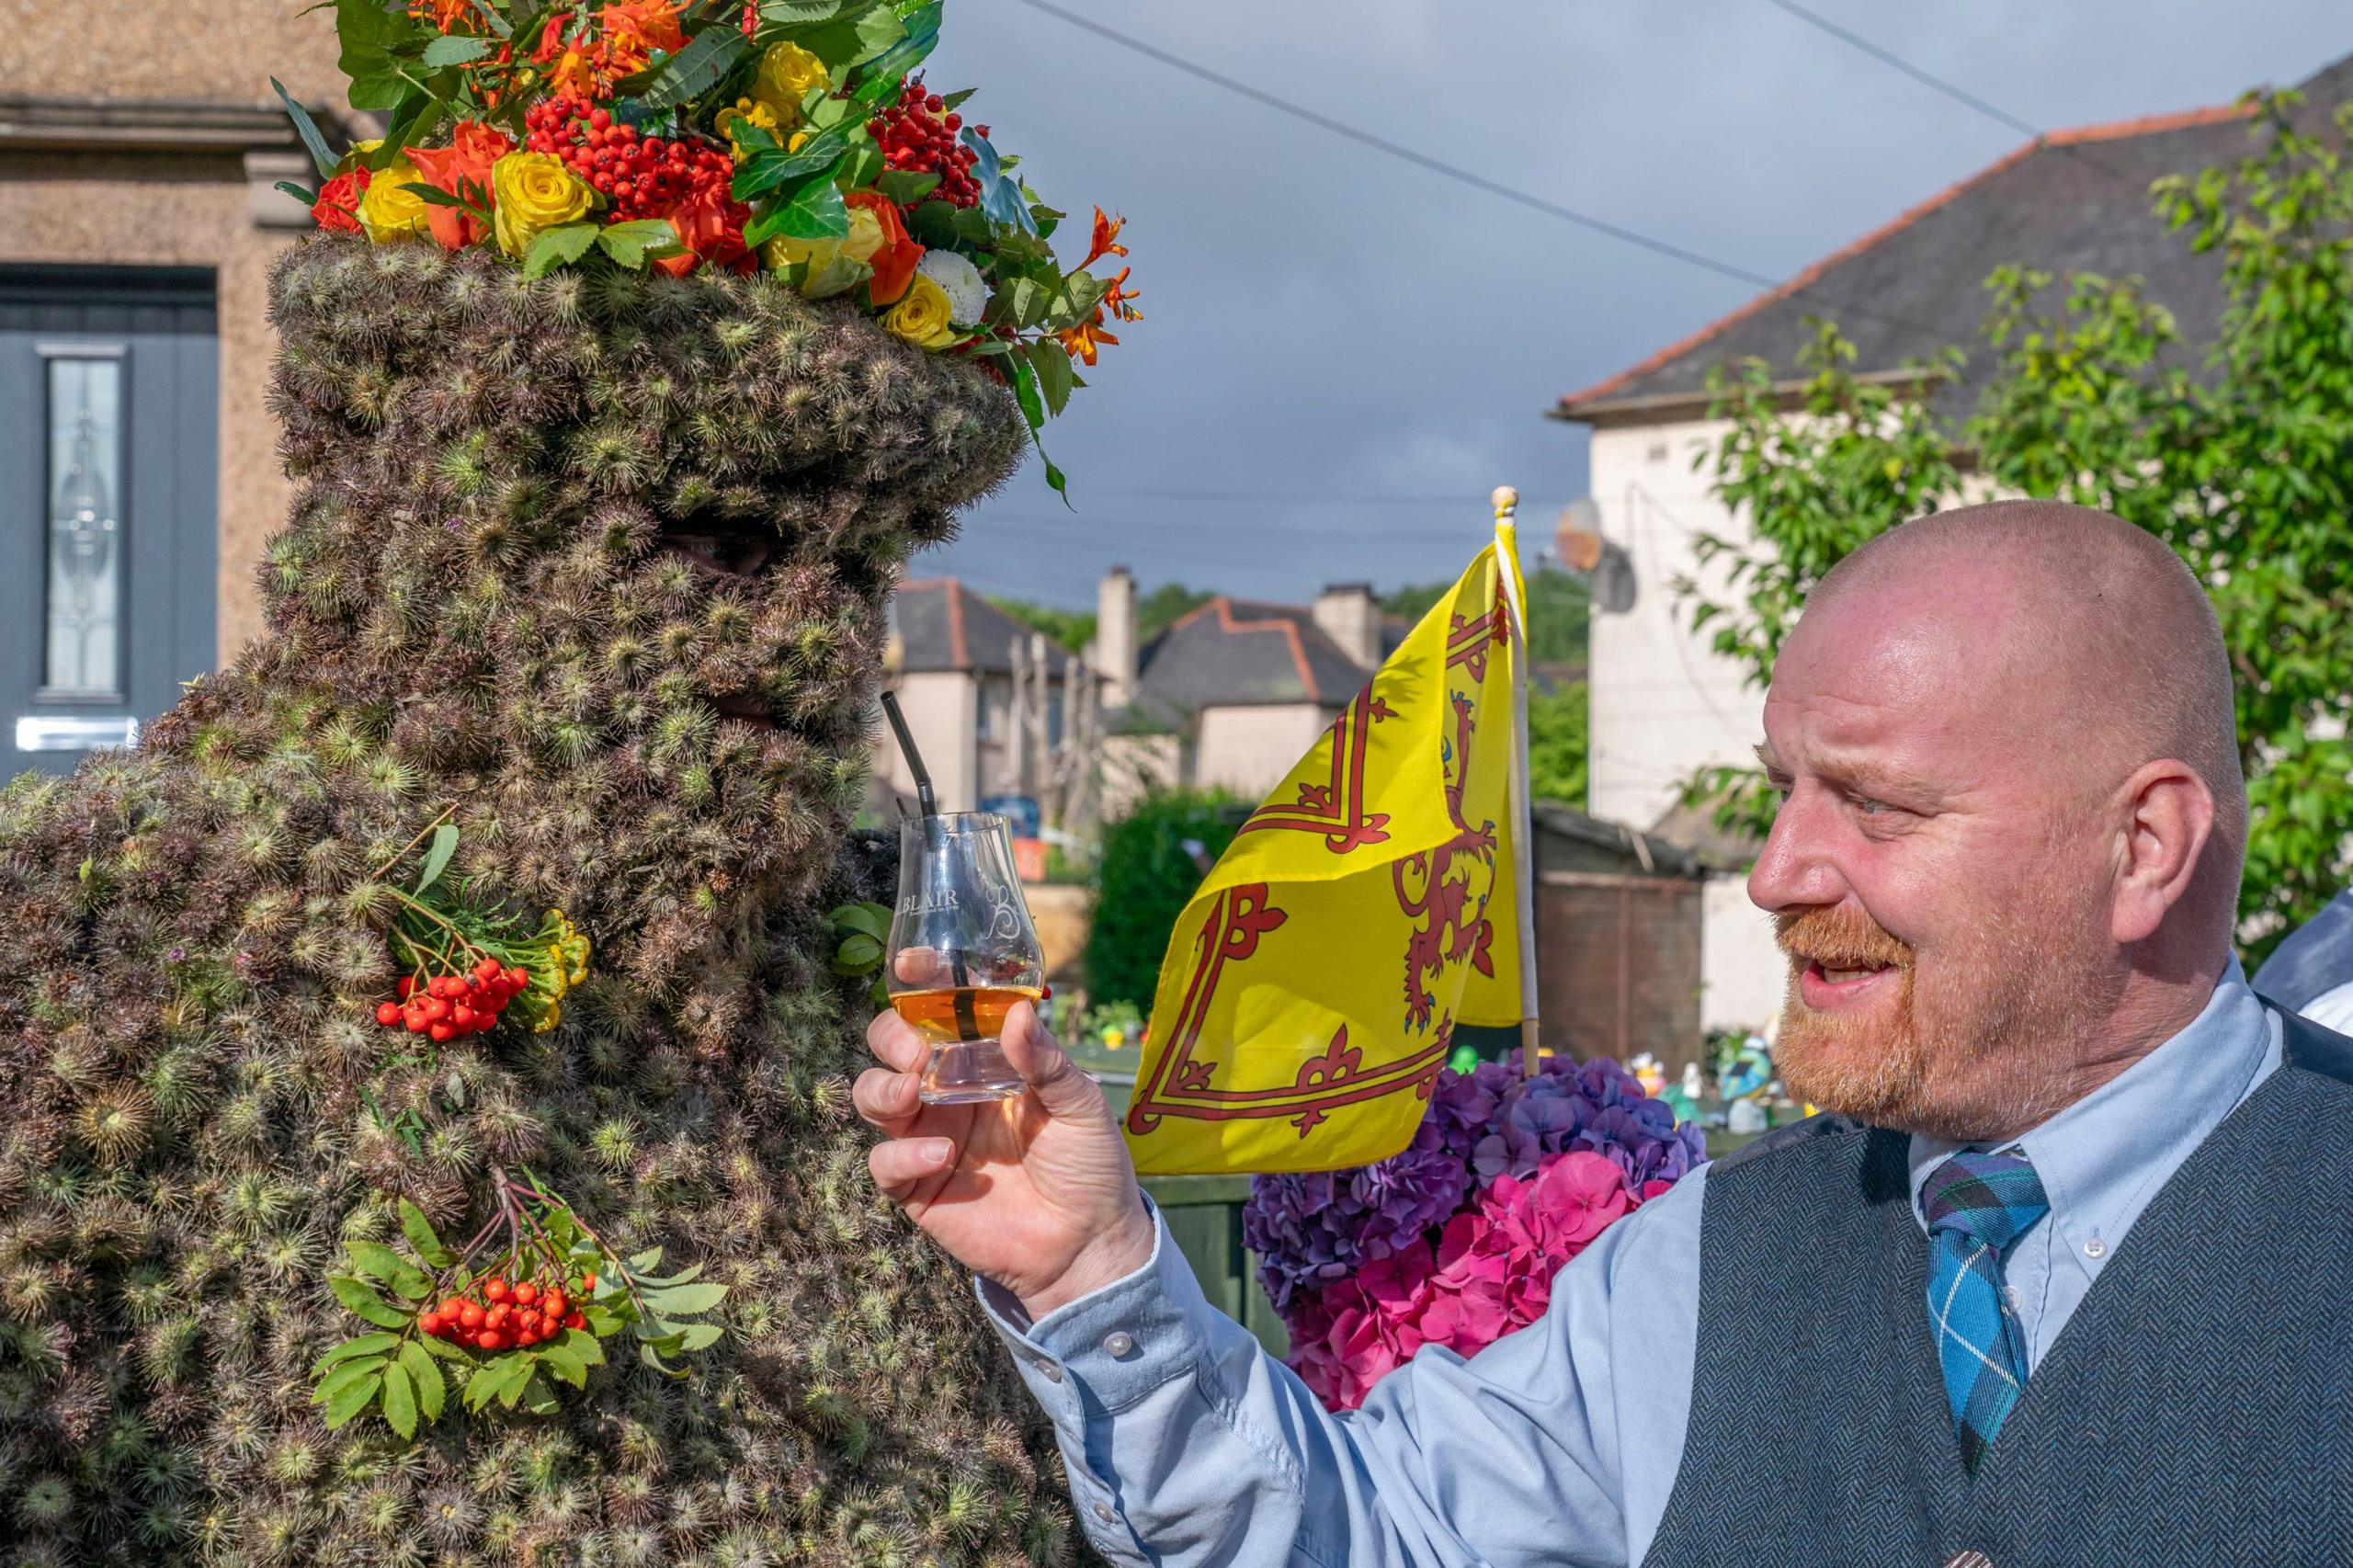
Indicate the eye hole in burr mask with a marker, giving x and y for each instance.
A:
(740, 551)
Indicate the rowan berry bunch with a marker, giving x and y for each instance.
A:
(638, 175)
(918, 133)
(451, 1006)
(512, 1321)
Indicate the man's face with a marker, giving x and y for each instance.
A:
(1933, 872)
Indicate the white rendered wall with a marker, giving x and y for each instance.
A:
(1248, 749)
(943, 713)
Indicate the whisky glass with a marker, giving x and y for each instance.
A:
(962, 952)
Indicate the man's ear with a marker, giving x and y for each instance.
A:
(2169, 818)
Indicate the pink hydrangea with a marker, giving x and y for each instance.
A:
(1491, 1273)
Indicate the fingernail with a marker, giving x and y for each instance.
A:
(937, 1150)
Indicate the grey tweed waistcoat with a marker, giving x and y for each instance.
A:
(2197, 1409)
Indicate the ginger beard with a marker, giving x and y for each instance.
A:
(1958, 1043)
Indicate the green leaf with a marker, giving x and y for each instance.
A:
(680, 1278)
(838, 276)
(431, 1387)
(1051, 361)
(772, 170)
(805, 13)
(416, 114)
(632, 244)
(419, 1232)
(436, 1345)
(603, 1323)
(437, 859)
(515, 1376)
(648, 1259)
(307, 128)
(695, 70)
(307, 197)
(366, 1345)
(361, 1298)
(494, 17)
(342, 1377)
(816, 211)
(455, 49)
(539, 1396)
(484, 1386)
(879, 77)
(853, 40)
(957, 100)
(1000, 197)
(368, 34)
(400, 1401)
(906, 186)
(583, 1344)
(933, 223)
(857, 955)
(685, 1299)
(1025, 392)
(380, 1262)
(353, 1398)
(558, 246)
(701, 1336)
(646, 1354)
(565, 1363)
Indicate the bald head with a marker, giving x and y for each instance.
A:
(2094, 638)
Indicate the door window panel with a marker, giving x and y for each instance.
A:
(86, 535)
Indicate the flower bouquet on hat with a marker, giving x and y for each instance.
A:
(1455, 1241)
(792, 137)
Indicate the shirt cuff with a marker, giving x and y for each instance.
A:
(1110, 1347)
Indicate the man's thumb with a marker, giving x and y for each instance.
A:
(1047, 1068)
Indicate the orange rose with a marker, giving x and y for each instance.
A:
(894, 262)
(338, 209)
(710, 225)
(462, 169)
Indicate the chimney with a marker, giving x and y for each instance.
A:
(1350, 616)
(1115, 636)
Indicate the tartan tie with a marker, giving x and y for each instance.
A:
(1977, 1205)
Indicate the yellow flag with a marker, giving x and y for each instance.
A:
(1310, 992)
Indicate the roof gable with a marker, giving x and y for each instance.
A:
(1239, 650)
(943, 625)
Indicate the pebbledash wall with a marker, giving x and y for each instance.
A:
(136, 133)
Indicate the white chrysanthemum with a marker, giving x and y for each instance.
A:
(960, 281)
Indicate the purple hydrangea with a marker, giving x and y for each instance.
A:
(1313, 1229)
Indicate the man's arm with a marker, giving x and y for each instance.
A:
(1186, 1445)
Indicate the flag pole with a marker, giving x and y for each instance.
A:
(1507, 503)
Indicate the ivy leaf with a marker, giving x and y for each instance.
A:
(633, 243)
(773, 170)
(361, 1298)
(431, 1387)
(353, 1398)
(455, 49)
(816, 211)
(307, 128)
(879, 77)
(400, 1401)
(1051, 361)
(933, 224)
(684, 1299)
(803, 13)
(437, 859)
(342, 1377)
(419, 1232)
(380, 1262)
(366, 1345)
(695, 70)
(906, 186)
(852, 40)
(559, 246)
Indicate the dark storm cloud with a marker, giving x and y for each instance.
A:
(1322, 319)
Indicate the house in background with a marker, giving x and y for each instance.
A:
(1233, 694)
(138, 470)
(1664, 704)
(980, 690)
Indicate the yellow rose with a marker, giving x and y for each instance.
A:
(787, 72)
(534, 192)
(865, 238)
(921, 315)
(389, 211)
(866, 235)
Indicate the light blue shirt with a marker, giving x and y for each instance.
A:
(1187, 1444)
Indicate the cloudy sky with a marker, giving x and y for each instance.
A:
(1342, 353)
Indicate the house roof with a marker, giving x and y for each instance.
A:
(942, 625)
(2074, 201)
(1657, 856)
(1244, 651)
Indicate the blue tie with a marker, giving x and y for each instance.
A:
(1977, 1205)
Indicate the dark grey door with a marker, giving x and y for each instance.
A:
(110, 526)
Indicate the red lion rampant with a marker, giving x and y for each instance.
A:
(1454, 929)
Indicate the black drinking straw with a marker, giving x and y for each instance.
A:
(931, 809)
(907, 750)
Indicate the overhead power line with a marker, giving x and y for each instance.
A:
(1451, 171)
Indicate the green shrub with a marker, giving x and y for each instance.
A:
(1145, 875)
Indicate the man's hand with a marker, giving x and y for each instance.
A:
(1037, 1194)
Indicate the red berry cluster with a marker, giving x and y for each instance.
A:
(638, 175)
(502, 1316)
(918, 132)
(448, 1006)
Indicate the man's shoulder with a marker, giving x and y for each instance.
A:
(2314, 1048)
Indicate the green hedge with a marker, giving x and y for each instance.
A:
(1142, 882)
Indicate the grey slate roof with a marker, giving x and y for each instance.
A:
(1242, 650)
(2075, 202)
(943, 625)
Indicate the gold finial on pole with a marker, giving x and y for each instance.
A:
(1507, 501)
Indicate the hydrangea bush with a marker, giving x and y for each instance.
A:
(1456, 1240)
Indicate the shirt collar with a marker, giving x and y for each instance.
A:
(2102, 1158)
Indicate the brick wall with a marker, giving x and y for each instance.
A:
(1618, 965)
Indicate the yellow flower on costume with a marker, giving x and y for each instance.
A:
(865, 238)
(787, 72)
(921, 315)
(534, 192)
(742, 112)
(389, 211)
(569, 947)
